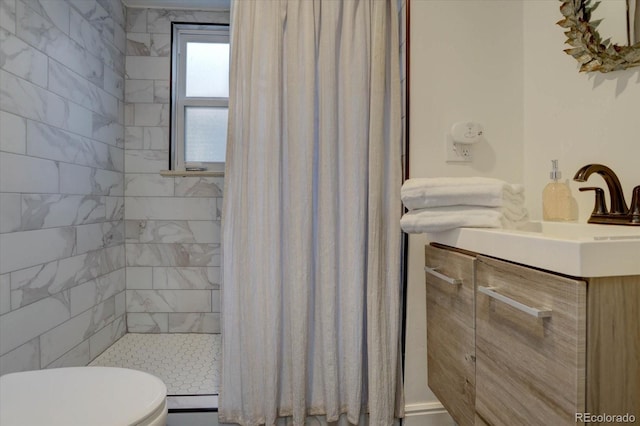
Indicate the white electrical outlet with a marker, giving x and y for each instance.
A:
(458, 152)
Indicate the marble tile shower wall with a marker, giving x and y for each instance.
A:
(172, 225)
(62, 254)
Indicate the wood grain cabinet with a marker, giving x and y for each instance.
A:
(530, 345)
(451, 331)
(508, 344)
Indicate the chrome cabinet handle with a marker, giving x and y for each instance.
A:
(443, 277)
(538, 313)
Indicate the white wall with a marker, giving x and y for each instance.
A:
(502, 63)
(574, 117)
(466, 64)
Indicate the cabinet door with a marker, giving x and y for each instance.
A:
(530, 345)
(450, 331)
(613, 345)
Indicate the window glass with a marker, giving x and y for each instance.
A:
(205, 134)
(199, 94)
(207, 70)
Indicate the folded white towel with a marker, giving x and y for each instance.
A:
(420, 193)
(440, 219)
(514, 212)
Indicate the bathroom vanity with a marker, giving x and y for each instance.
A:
(537, 326)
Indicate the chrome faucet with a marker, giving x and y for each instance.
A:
(619, 213)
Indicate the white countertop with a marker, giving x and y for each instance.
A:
(575, 249)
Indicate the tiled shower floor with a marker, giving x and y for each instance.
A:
(188, 364)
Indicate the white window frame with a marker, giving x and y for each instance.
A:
(181, 34)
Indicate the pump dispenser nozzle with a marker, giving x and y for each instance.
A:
(555, 174)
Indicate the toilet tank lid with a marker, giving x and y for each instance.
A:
(79, 396)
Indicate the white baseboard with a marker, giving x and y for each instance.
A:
(426, 414)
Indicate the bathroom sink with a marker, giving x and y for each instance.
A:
(578, 231)
(576, 249)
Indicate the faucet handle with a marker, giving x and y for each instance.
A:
(599, 208)
(634, 211)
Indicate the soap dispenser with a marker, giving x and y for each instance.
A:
(557, 202)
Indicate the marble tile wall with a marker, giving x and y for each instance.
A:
(62, 163)
(172, 224)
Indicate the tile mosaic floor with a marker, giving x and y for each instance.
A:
(189, 364)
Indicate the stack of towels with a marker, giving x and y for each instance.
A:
(440, 204)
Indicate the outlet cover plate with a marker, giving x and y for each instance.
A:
(458, 152)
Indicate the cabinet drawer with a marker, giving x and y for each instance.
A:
(450, 279)
(450, 331)
(530, 345)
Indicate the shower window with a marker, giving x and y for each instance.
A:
(199, 95)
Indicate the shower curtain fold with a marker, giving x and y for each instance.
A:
(636, 23)
(311, 238)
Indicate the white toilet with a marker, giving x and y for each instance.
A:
(81, 396)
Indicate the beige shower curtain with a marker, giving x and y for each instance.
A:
(311, 237)
(636, 23)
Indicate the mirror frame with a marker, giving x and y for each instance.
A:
(587, 46)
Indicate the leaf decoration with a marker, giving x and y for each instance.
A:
(587, 46)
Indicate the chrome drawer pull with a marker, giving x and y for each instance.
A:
(538, 313)
(443, 277)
